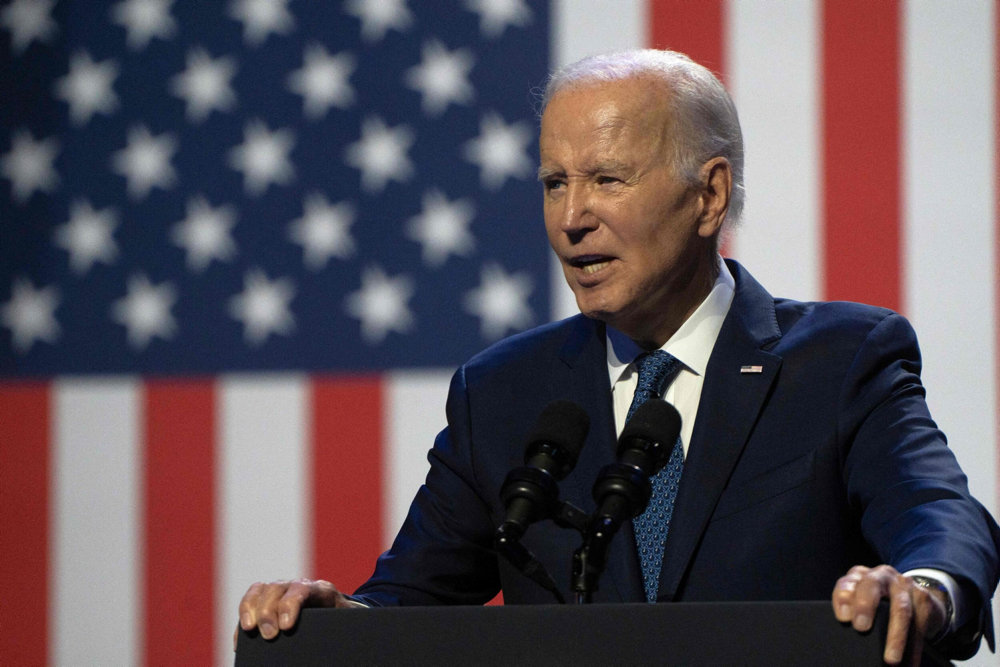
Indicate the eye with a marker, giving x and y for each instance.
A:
(551, 184)
(604, 179)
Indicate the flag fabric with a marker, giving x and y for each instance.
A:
(244, 244)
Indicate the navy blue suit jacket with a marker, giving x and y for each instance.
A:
(825, 459)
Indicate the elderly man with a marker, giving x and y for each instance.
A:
(807, 460)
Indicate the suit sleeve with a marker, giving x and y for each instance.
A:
(443, 553)
(912, 496)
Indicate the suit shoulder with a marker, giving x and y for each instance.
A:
(779, 321)
(843, 328)
(532, 347)
(831, 315)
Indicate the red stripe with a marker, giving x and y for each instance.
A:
(861, 152)
(694, 28)
(347, 466)
(180, 573)
(24, 540)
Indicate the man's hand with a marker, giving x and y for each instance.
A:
(914, 612)
(275, 606)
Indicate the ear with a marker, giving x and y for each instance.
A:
(716, 187)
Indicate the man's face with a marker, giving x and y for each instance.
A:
(623, 223)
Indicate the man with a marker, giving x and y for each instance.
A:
(808, 449)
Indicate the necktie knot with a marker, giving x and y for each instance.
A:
(656, 369)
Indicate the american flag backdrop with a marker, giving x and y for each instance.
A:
(244, 243)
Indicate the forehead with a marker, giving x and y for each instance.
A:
(605, 115)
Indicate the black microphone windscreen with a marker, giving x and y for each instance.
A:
(563, 424)
(655, 421)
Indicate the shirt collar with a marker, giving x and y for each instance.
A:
(692, 343)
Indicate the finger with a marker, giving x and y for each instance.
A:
(870, 589)
(247, 610)
(294, 598)
(248, 606)
(900, 620)
(843, 594)
(915, 642)
(915, 645)
(264, 609)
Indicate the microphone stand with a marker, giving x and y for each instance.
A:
(620, 488)
(507, 544)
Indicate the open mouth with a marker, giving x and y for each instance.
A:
(590, 263)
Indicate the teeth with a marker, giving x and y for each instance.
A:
(594, 268)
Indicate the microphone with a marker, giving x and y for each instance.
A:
(623, 488)
(530, 493)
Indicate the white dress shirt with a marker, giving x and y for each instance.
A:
(691, 344)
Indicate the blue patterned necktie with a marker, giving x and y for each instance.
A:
(655, 372)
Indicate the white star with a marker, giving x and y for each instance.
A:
(88, 236)
(263, 157)
(323, 81)
(501, 301)
(28, 165)
(143, 20)
(145, 162)
(443, 228)
(378, 16)
(205, 233)
(87, 88)
(500, 151)
(496, 15)
(380, 154)
(30, 315)
(27, 21)
(323, 231)
(262, 307)
(261, 17)
(205, 84)
(381, 304)
(441, 77)
(144, 311)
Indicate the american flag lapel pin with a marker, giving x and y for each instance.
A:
(751, 369)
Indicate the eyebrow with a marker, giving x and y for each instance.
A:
(602, 166)
(546, 172)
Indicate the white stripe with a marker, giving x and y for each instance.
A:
(586, 27)
(263, 488)
(950, 189)
(96, 588)
(415, 402)
(581, 28)
(773, 75)
(950, 186)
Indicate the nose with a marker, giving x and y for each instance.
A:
(577, 216)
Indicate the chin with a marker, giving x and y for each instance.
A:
(612, 317)
(587, 307)
(596, 313)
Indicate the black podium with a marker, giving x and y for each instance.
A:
(708, 633)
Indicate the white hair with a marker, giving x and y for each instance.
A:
(708, 125)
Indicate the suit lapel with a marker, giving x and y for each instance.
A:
(731, 399)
